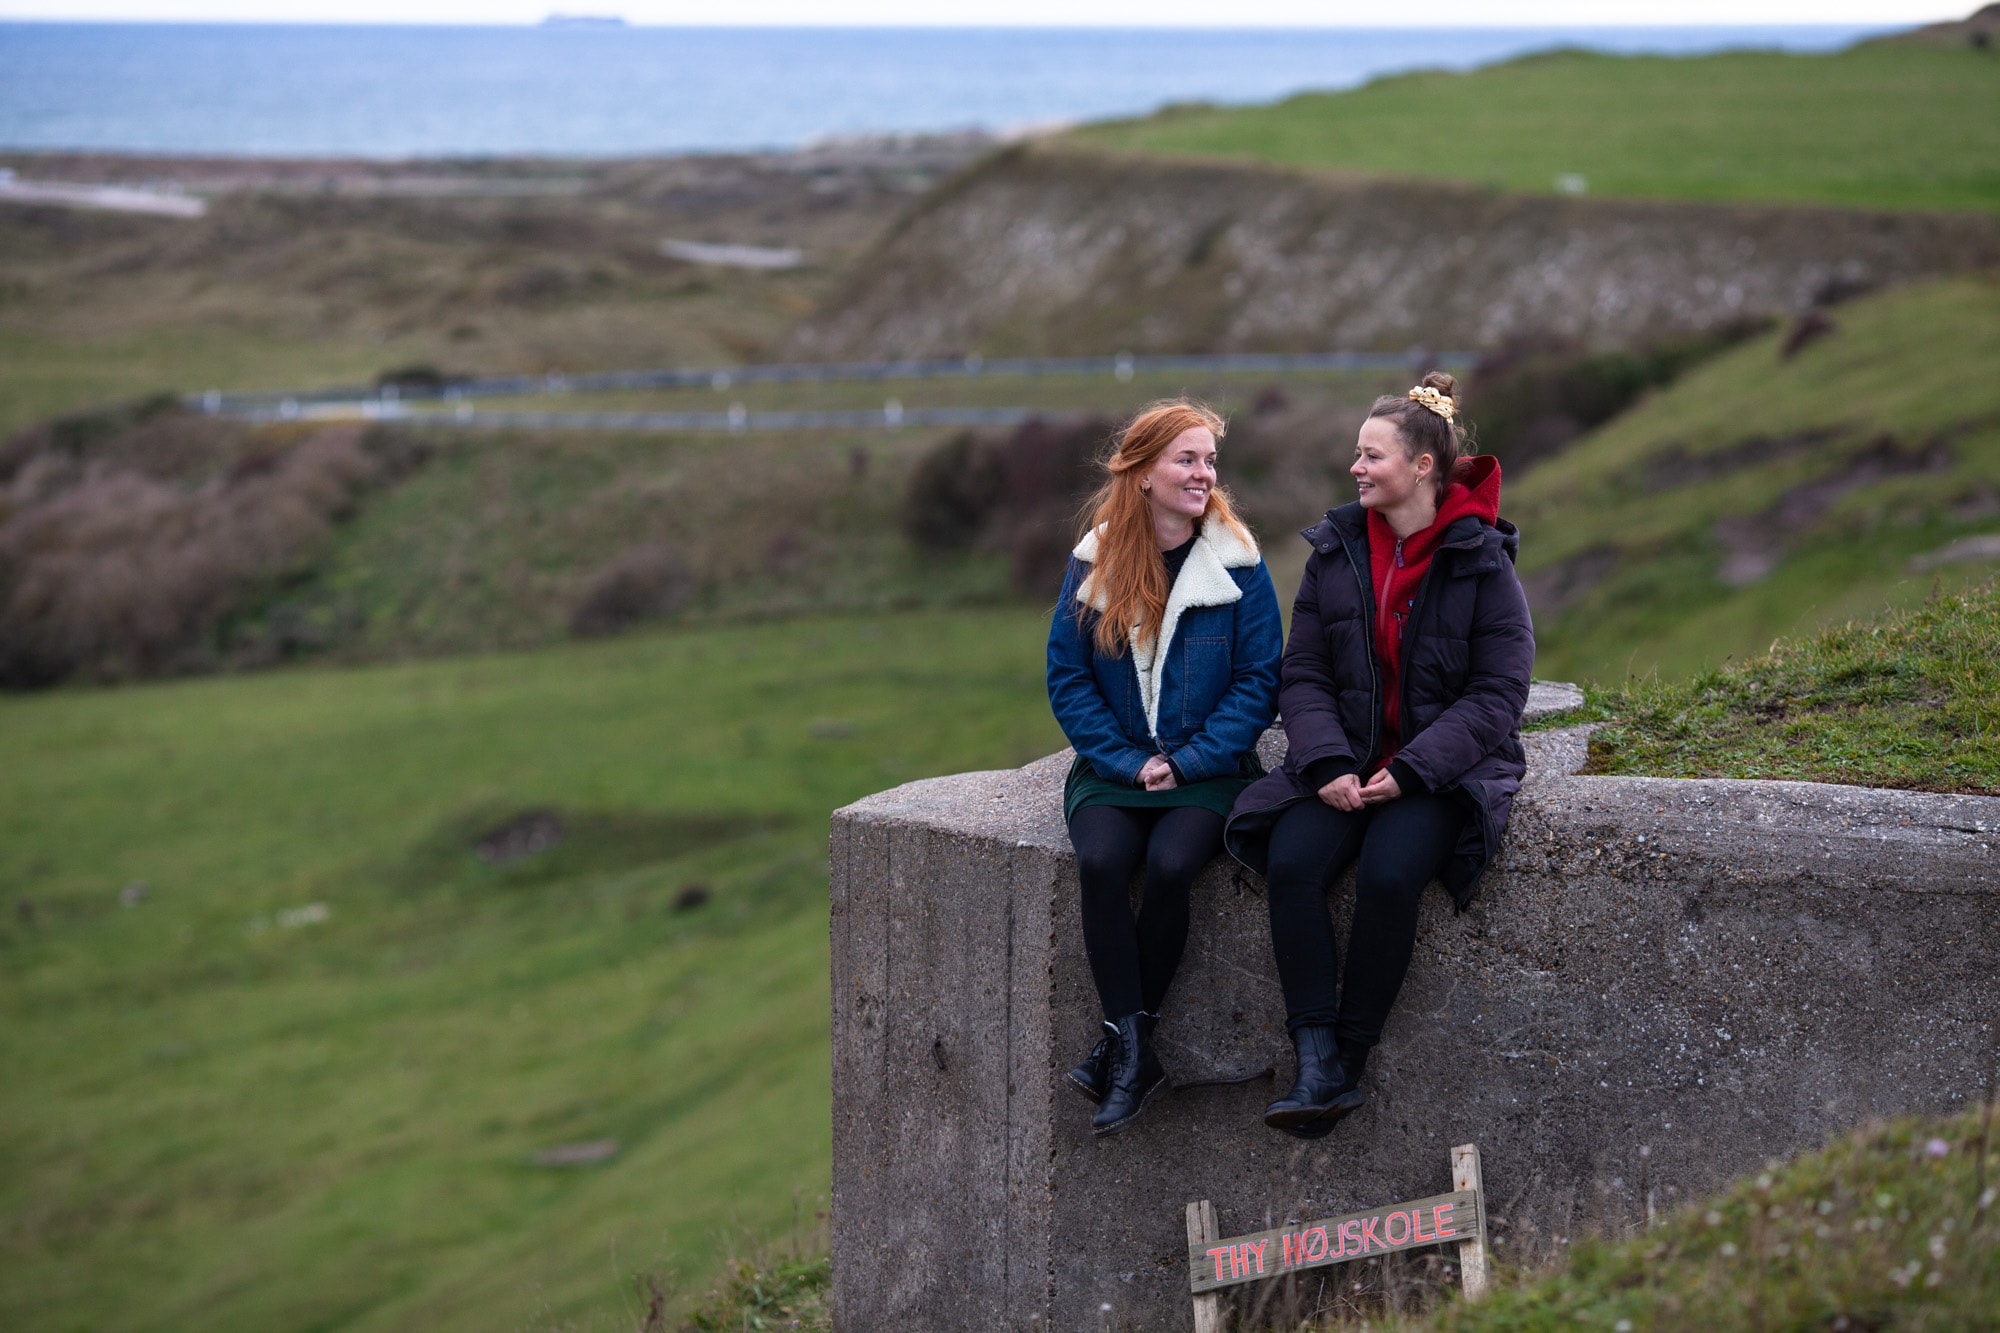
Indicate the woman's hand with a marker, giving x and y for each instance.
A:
(1343, 793)
(1382, 787)
(1156, 774)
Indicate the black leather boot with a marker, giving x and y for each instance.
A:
(1094, 1075)
(1323, 1091)
(1136, 1076)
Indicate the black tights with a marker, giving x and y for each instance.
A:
(1396, 849)
(1132, 962)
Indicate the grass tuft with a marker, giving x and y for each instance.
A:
(789, 1293)
(1909, 700)
(1894, 1226)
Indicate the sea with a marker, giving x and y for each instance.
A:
(413, 92)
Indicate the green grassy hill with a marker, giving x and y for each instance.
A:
(1762, 495)
(302, 1079)
(1880, 126)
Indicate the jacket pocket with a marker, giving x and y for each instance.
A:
(1438, 669)
(1205, 670)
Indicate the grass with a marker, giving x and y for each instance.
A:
(1877, 126)
(1892, 1227)
(1909, 700)
(788, 1293)
(44, 374)
(302, 1080)
(1761, 496)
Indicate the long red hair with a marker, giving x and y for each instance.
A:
(1129, 578)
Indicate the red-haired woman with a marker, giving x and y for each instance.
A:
(1403, 687)
(1163, 672)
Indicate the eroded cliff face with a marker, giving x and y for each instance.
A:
(1053, 250)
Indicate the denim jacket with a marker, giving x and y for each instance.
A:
(1201, 695)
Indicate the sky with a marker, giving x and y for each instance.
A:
(1031, 13)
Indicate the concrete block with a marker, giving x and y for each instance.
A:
(1717, 972)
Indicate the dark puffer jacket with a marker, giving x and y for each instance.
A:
(1467, 656)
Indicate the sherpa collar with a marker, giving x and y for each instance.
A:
(1204, 581)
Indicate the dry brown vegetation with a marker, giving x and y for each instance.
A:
(129, 538)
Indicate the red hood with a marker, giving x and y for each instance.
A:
(1474, 489)
(1397, 569)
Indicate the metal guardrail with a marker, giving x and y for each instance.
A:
(737, 419)
(383, 402)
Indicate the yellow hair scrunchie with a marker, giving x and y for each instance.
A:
(1435, 401)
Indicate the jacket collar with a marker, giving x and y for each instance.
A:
(1204, 581)
(1349, 525)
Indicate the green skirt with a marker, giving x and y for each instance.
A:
(1084, 787)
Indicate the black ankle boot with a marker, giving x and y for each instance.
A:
(1135, 1075)
(1324, 1090)
(1094, 1075)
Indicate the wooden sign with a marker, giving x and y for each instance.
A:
(1457, 1218)
(1438, 1220)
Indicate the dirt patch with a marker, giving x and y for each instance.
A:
(587, 1153)
(1555, 588)
(1678, 466)
(1752, 544)
(522, 836)
(484, 848)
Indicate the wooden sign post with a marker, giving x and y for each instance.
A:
(1457, 1218)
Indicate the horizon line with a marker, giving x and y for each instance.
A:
(614, 24)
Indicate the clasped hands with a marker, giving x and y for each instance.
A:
(1347, 792)
(1156, 774)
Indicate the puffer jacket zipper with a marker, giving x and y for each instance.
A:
(1416, 609)
(1367, 583)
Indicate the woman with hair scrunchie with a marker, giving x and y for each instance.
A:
(1163, 673)
(1402, 690)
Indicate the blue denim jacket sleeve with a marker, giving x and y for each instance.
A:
(1080, 707)
(1251, 701)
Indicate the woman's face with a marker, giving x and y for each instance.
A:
(1182, 476)
(1385, 473)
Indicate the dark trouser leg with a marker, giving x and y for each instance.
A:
(1109, 842)
(1310, 845)
(1407, 843)
(1185, 839)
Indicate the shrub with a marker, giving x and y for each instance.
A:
(129, 537)
(953, 491)
(1018, 494)
(645, 583)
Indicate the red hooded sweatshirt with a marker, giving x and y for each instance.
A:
(1398, 566)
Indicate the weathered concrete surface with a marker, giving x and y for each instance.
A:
(1054, 250)
(1721, 972)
